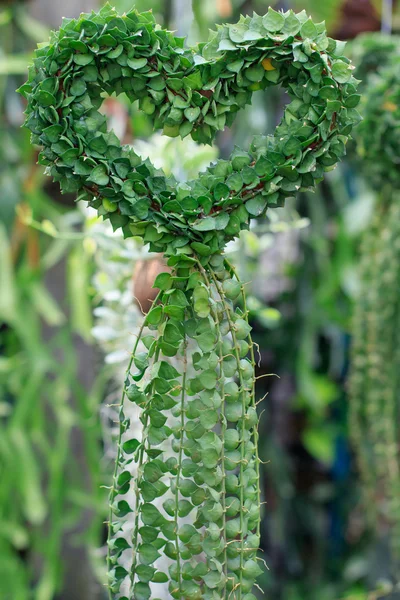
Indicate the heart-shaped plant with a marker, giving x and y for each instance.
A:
(198, 454)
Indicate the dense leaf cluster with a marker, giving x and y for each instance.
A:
(377, 137)
(371, 52)
(196, 91)
(207, 522)
(374, 399)
(373, 390)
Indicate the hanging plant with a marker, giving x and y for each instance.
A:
(373, 389)
(205, 412)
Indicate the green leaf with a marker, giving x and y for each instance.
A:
(135, 394)
(210, 458)
(164, 370)
(208, 419)
(251, 570)
(206, 341)
(209, 379)
(352, 101)
(213, 511)
(235, 182)
(291, 146)
(205, 224)
(213, 579)
(194, 81)
(142, 591)
(178, 297)
(308, 30)
(152, 471)
(157, 419)
(221, 221)
(234, 412)
(78, 87)
(186, 532)
(148, 554)
(145, 573)
(141, 361)
(160, 577)
(292, 24)
(163, 281)
(328, 92)
(273, 21)
(151, 515)
(130, 446)
(154, 316)
(237, 32)
(184, 508)
(137, 63)
(45, 98)
(200, 248)
(236, 65)
(221, 192)
(83, 59)
(341, 71)
(148, 534)
(99, 176)
(172, 335)
(192, 114)
(122, 509)
(256, 205)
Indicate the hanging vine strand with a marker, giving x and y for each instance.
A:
(195, 500)
(373, 385)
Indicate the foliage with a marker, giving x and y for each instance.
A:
(44, 491)
(37, 422)
(208, 419)
(131, 193)
(374, 385)
(375, 363)
(377, 138)
(372, 52)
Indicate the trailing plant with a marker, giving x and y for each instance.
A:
(374, 401)
(205, 412)
(371, 52)
(377, 138)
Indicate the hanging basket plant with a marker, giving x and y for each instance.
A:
(373, 383)
(204, 413)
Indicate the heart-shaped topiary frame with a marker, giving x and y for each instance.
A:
(194, 92)
(196, 496)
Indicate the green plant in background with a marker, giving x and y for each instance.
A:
(372, 52)
(205, 412)
(379, 138)
(375, 365)
(44, 492)
(37, 422)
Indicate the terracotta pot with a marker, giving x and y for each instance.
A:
(143, 279)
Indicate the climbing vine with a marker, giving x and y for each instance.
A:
(374, 401)
(198, 453)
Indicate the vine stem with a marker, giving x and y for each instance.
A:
(242, 458)
(179, 467)
(118, 457)
(253, 391)
(140, 463)
(113, 489)
(223, 425)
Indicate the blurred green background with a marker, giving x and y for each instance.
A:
(66, 308)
